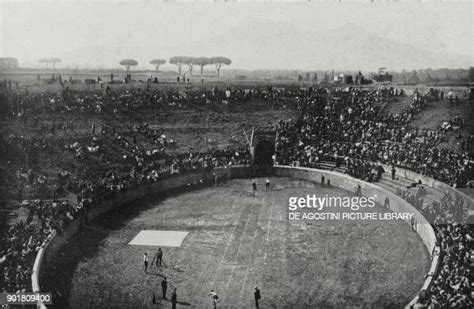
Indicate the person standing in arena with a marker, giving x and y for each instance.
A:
(257, 296)
(215, 298)
(164, 287)
(159, 257)
(254, 187)
(145, 261)
(267, 185)
(174, 299)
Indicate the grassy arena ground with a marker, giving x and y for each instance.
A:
(235, 242)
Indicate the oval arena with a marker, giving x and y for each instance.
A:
(235, 241)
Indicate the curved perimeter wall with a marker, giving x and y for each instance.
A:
(397, 204)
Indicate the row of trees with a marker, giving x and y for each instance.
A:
(180, 61)
(201, 62)
(49, 61)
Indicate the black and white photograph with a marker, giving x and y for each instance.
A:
(237, 154)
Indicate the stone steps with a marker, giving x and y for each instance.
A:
(402, 184)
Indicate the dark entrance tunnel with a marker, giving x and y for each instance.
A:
(263, 154)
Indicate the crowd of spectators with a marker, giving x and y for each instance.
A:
(447, 210)
(23, 104)
(344, 126)
(451, 287)
(24, 239)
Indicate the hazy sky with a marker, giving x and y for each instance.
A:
(33, 29)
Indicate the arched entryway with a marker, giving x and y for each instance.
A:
(264, 154)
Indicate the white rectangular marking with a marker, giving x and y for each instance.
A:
(159, 238)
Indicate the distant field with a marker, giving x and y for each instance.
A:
(29, 80)
(237, 241)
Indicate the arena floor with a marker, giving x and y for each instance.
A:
(237, 241)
